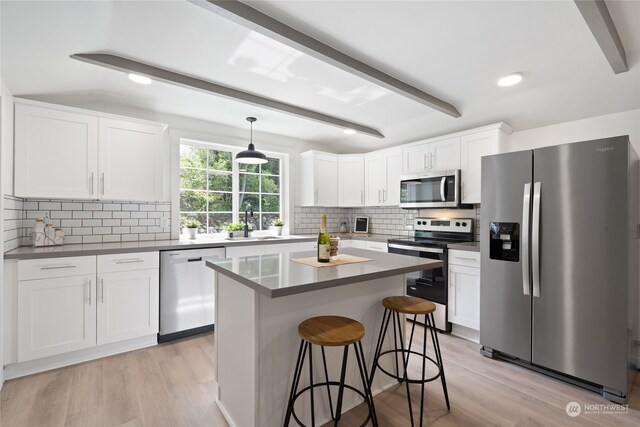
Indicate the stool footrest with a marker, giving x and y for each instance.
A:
(409, 380)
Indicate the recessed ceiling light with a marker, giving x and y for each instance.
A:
(349, 131)
(510, 80)
(143, 80)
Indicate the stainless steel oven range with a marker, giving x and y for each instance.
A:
(432, 235)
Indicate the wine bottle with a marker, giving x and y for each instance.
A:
(324, 242)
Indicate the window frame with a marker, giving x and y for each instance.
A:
(236, 214)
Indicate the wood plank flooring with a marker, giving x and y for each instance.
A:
(173, 384)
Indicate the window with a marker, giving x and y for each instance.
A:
(215, 191)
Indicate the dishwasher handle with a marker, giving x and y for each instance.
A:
(194, 259)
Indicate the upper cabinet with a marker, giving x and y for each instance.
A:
(382, 177)
(472, 147)
(74, 154)
(435, 155)
(318, 179)
(351, 180)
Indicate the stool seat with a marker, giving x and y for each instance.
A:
(408, 305)
(331, 331)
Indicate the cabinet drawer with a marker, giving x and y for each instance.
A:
(467, 258)
(48, 268)
(128, 262)
(376, 246)
(359, 244)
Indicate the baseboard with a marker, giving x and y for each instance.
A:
(226, 414)
(466, 333)
(17, 370)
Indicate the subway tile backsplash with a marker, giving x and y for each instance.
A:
(86, 221)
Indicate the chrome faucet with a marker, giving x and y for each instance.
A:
(246, 219)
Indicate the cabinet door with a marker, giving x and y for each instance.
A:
(444, 154)
(393, 168)
(415, 158)
(464, 296)
(55, 153)
(373, 179)
(326, 179)
(248, 250)
(351, 180)
(472, 148)
(56, 316)
(128, 305)
(130, 157)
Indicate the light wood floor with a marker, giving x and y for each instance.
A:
(173, 385)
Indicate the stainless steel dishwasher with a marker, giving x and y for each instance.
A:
(187, 305)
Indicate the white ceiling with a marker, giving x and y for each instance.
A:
(453, 50)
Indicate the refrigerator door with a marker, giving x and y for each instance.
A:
(505, 301)
(579, 303)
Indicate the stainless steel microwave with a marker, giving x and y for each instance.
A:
(430, 190)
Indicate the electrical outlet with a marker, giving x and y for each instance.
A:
(165, 222)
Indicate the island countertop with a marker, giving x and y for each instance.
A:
(276, 275)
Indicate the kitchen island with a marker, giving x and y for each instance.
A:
(260, 302)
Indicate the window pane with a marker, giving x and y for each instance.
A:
(201, 217)
(249, 183)
(249, 198)
(194, 157)
(193, 201)
(270, 184)
(244, 167)
(219, 181)
(255, 221)
(220, 160)
(220, 202)
(270, 203)
(217, 221)
(194, 179)
(267, 219)
(272, 167)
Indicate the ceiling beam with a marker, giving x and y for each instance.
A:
(598, 18)
(255, 20)
(126, 65)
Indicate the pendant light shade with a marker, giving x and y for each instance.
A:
(250, 155)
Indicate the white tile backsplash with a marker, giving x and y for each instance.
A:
(86, 222)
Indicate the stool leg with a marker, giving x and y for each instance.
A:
(362, 367)
(343, 373)
(296, 379)
(395, 343)
(386, 317)
(326, 377)
(436, 346)
(313, 412)
(424, 363)
(405, 362)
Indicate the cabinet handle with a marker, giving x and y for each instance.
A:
(101, 297)
(424, 161)
(89, 291)
(102, 183)
(56, 267)
(91, 183)
(384, 197)
(433, 159)
(128, 261)
(378, 195)
(451, 276)
(462, 257)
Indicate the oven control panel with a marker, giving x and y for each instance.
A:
(456, 225)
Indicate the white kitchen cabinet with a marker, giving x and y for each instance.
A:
(127, 305)
(382, 177)
(318, 179)
(56, 153)
(432, 155)
(375, 246)
(277, 248)
(358, 244)
(464, 289)
(351, 180)
(63, 152)
(130, 160)
(55, 316)
(248, 250)
(472, 148)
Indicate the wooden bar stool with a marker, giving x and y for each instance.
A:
(330, 331)
(393, 307)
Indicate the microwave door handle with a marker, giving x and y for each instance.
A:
(443, 184)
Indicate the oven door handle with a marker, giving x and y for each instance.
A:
(416, 248)
(442, 188)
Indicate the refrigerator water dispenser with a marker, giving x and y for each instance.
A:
(504, 241)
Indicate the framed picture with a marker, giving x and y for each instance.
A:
(361, 224)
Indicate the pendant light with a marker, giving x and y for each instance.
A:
(250, 155)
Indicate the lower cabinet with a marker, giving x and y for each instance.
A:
(127, 305)
(464, 296)
(69, 304)
(56, 316)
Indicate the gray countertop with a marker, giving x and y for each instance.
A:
(469, 246)
(276, 275)
(29, 252)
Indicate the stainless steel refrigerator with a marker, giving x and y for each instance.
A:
(559, 272)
